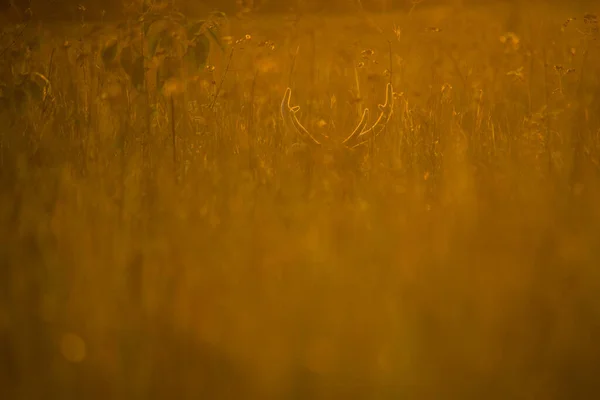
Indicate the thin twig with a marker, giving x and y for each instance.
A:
(293, 66)
(14, 41)
(250, 135)
(391, 62)
(222, 80)
(414, 5)
(51, 62)
(173, 135)
(49, 77)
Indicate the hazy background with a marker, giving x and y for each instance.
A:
(163, 235)
(67, 9)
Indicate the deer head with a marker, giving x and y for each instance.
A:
(359, 136)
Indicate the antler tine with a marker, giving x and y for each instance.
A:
(359, 128)
(288, 113)
(386, 110)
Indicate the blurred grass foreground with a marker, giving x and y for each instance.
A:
(164, 235)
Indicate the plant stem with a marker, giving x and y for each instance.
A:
(222, 80)
(173, 135)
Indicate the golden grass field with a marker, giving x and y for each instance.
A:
(167, 242)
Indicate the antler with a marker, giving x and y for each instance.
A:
(359, 136)
(288, 113)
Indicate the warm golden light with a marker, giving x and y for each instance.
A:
(307, 199)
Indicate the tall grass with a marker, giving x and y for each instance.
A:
(174, 244)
